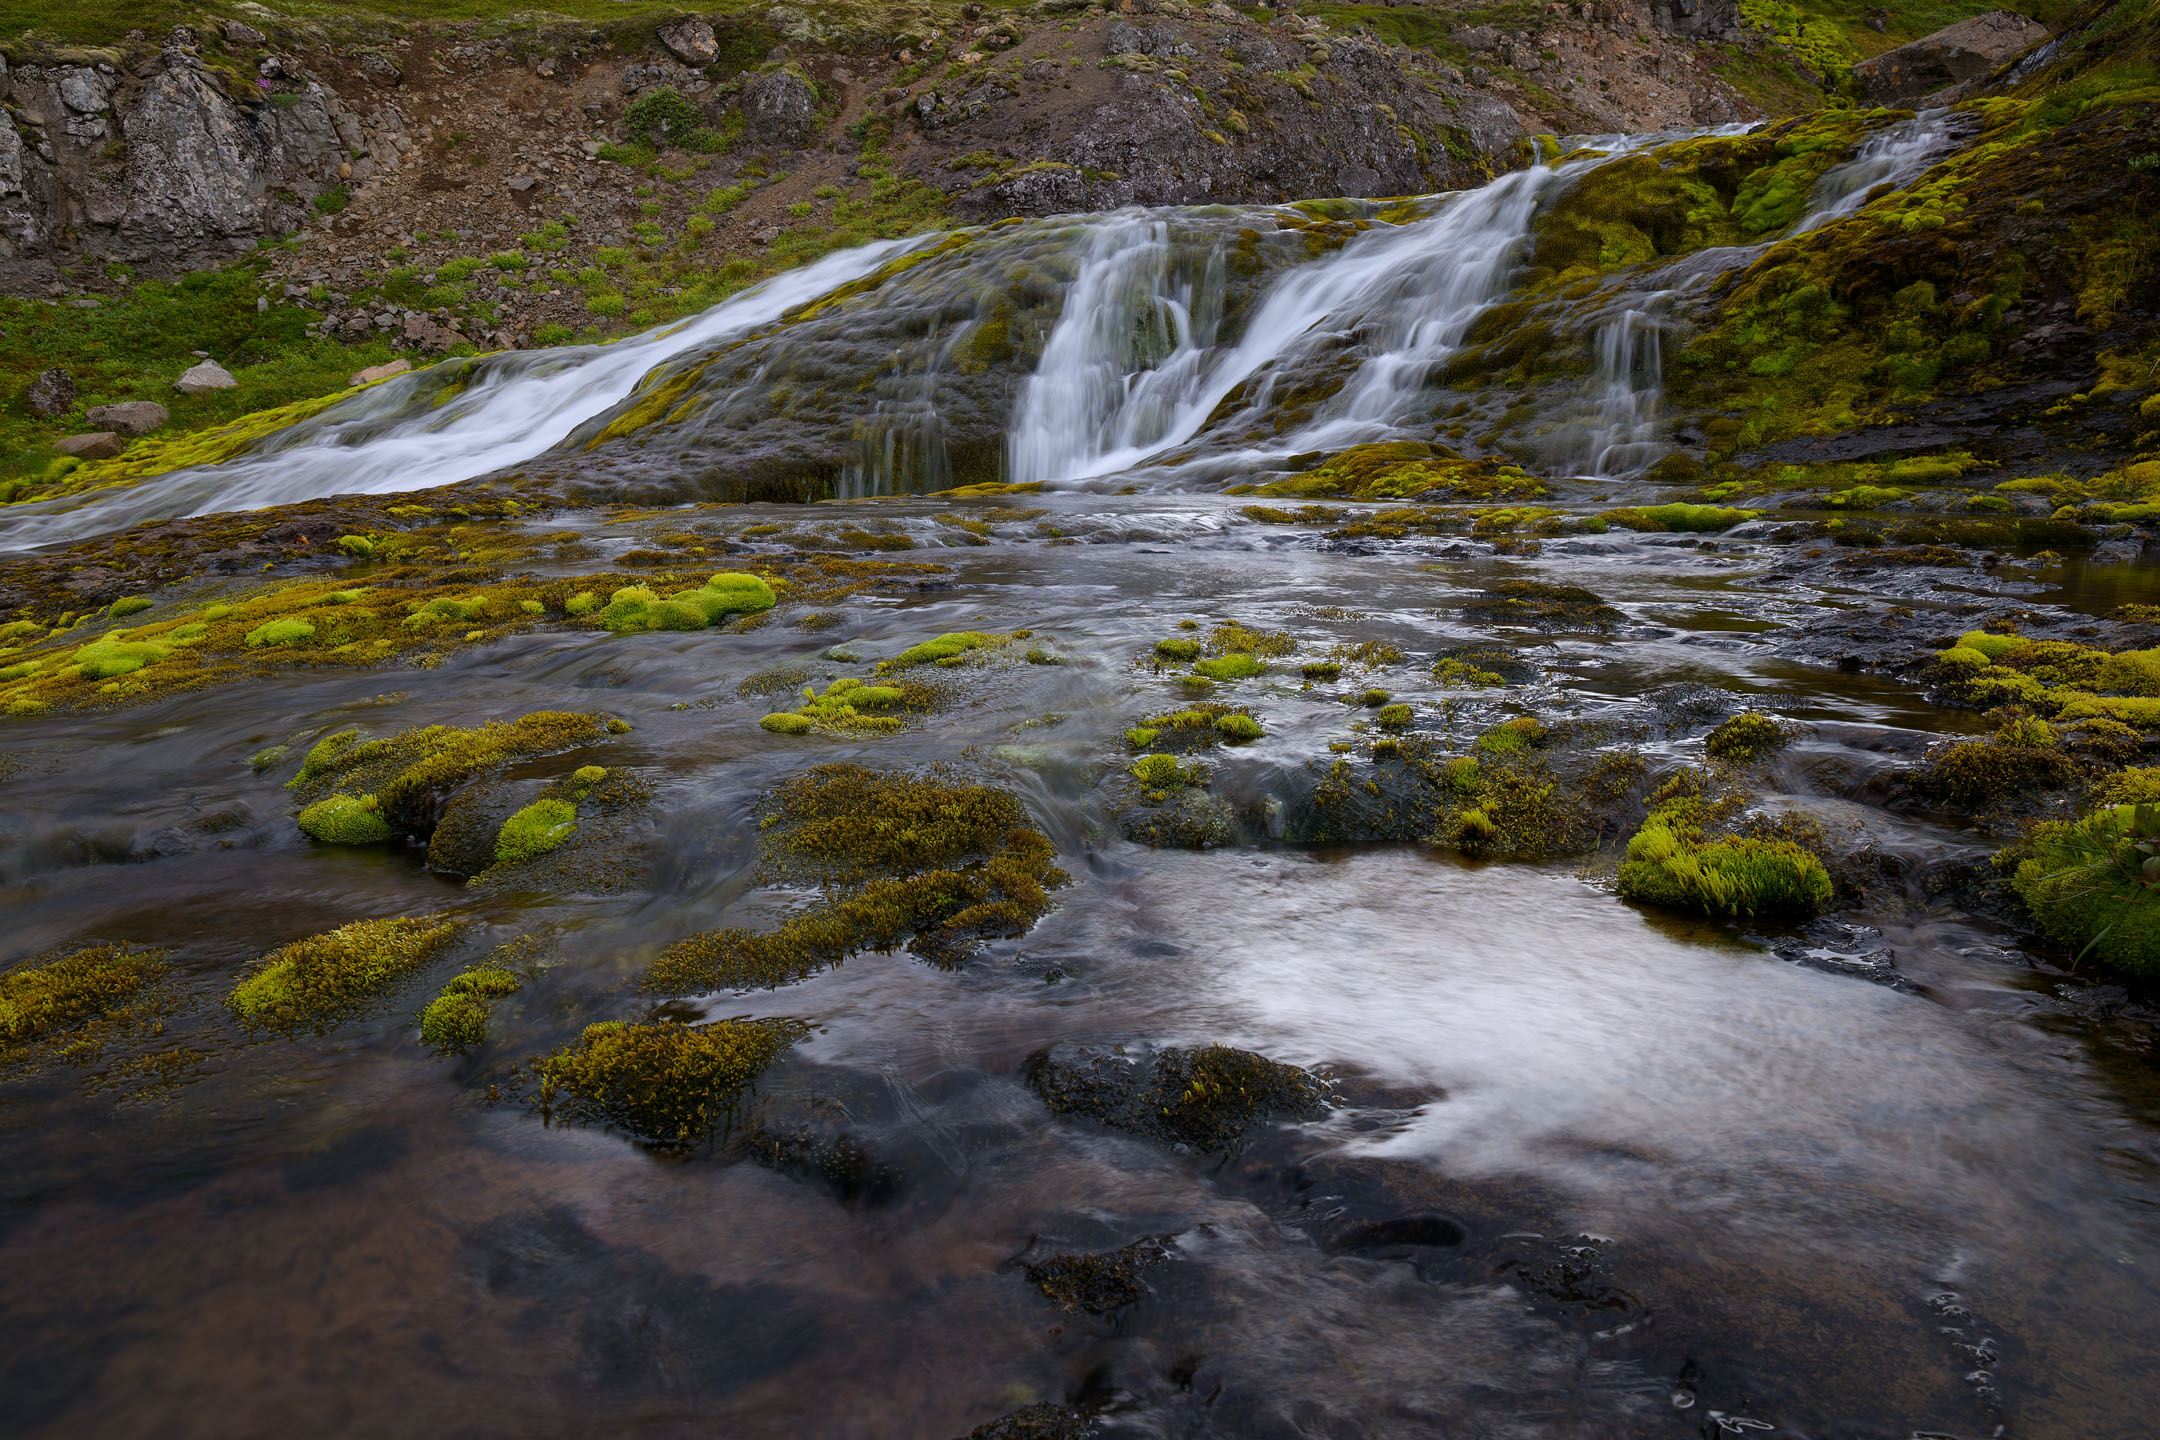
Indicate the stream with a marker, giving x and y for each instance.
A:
(1589, 1170)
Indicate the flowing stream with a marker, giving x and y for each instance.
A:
(1594, 1171)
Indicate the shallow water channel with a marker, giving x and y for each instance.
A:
(1590, 1171)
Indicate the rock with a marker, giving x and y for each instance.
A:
(428, 335)
(51, 395)
(690, 40)
(130, 417)
(644, 77)
(379, 69)
(779, 109)
(1700, 19)
(1965, 51)
(237, 33)
(84, 91)
(97, 445)
(522, 183)
(382, 372)
(202, 378)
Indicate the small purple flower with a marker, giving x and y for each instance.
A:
(264, 83)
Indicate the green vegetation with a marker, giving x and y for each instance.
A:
(1747, 736)
(951, 648)
(318, 981)
(1672, 861)
(47, 995)
(1679, 517)
(457, 1019)
(1405, 469)
(535, 830)
(2091, 885)
(850, 705)
(924, 861)
(635, 609)
(1210, 1099)
(669, 1085)
(1543, 606)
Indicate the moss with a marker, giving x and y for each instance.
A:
(407, 776)
(1374, 699)
(635, 609)
(1394, 717)
(666, 1084)
(1158, 772)
(345, 820)
(1322, 670)
(1099, 1283)
(130, 605)
(1544, 606)
(918, 860)
(1210, 1099)
(1236, 666)
(325, 978)
(1178, 649)
(1401, 470)
(1679, 517)
(851, 706)
(535, 830)
(1521, 733)
(457, 1019)
(48, 995)
(947, 649)
(2091, 885)
(1673, 862)
(1746, 736)
(1238, 728)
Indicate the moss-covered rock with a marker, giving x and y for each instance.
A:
(1209, 1099)
(2094, 885)
(669, 1085)
(457, 1019)
(316, 982)
(50, 994)
(1675, 862)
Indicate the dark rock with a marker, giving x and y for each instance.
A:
(779, 109)
(51, 395)
(1102, 1282)
(1965, 51)
(1699, 19)
(643, 77)
(689, 40)
(97, 445)
(1208, 1099)
(130, 417)
(1041, 1421)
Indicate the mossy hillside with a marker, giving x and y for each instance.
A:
(1919, 294)
(669, 1085)
(1677, 862)
(927, 861)
(316, 982)
(1687, 196)
(404, 780)
(47, 996)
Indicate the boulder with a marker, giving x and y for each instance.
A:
(1968, 50)
(130, 417)
(380, 69)
(97, 445)
(429, 335)
(690, 40)
(382, 372)
(201, 379)
(779, 109)
(51, 395)
(240, 33)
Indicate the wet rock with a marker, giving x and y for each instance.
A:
(1044, 1420)
(1965, 51)
(1839, 947)
(51, 395)
(97, 445)
(1544, 606)
(204, 377)
(130, 417)
(1208, 1099)
(1100, 1283)
(689, 40)
(380, 372)
(779, 109)
(840, 1164)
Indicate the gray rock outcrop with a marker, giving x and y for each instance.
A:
(129, 417)
(51, 395)
(779, 109)
(1967, 51)
(204, 377)
(689, 40)
(97, 445)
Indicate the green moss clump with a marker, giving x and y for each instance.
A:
(1524, 732)
(130, 605)
(1679, 518)
(1322, 670)
(1672, 862)
(849, 705)
(1994, 647)
(535, 830)
(1235, 666)
(1158, 772)
(918, 860)
(634, 609)
(1394, 717)
(1237, 728)
(1402, 470)
(457, 1019)
(2091, 885)
(110, 657)
(1178, 649)
(322, 979)
(665, 1084)
(1746, 736)
(289, 631)
(947, 649)
(345, 820)
(45, 996)
(407, 775)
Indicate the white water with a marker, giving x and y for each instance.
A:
(516, 405)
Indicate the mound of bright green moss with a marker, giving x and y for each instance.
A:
(927, 861)
(1747, 736)
(1194, 727)
(1406, 469)
(635, 609)
(323, 979)
(846, 705)
(666, 1084)
(2058, 680)
(378, 789)
(1673, 862)
(2094, 885)
(950, 648)
(457, 1019)
(46, 996)
(1679, 518)
(547, 822)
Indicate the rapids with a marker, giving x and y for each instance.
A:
(1591, 1171)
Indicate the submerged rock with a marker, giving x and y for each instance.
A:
(1209, 1099)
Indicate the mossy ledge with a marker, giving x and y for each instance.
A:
(926, 861)
(316, 982)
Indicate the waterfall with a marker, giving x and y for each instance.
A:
(446, 423)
